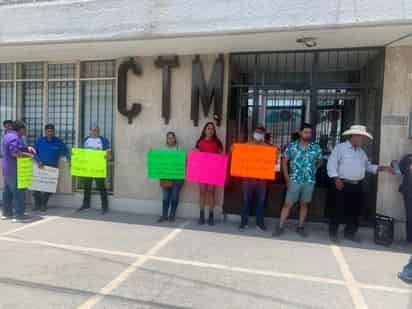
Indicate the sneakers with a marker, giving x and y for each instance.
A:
(261, 227)
(278, 231)
(22, 219)
(83, 208)
(243, 227)
(161, 219)
(301, 232)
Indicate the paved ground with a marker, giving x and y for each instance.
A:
(87, 260)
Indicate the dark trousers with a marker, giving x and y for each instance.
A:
(345, 208)
(101, 186)
(171, 197)
(408, 207)
(41, 199)
(257, 188)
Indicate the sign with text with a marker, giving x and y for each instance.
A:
(88, 163)
(166, 164)
(24, 173)
(208, 168)
(45, 179)
(253, 161)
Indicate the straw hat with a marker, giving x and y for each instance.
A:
(358, 130)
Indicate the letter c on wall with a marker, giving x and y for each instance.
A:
(122, 90)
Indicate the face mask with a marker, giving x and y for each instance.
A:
(258, 136)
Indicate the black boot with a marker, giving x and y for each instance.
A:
(202, 217)
(211, 218)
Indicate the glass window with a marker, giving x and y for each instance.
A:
(7, 105)
(30, 70)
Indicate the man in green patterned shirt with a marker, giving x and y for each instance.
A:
(302, 158)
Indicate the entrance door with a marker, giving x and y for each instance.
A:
(329, 89)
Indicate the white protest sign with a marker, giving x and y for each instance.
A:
(45, 179)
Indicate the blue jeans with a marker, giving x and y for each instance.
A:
(406, 274)
(171, 196)
(252, 187)
(13, 198)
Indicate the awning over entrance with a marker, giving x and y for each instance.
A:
(86, 29)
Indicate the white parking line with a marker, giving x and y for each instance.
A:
(91, 302)
(29, 225)
(258, 272)
(351, 284)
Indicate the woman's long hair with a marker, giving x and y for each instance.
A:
(214, 137)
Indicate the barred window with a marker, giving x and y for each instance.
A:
(96, 100)
(61, 100)
(7, 105)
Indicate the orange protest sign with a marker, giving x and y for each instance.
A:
(253, 161)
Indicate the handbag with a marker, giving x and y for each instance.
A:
(166, 183)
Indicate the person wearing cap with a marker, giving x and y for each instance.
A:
(96, 142)
(347, 166)
(49, 150)
(14, 147)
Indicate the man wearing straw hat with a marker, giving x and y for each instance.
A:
(347, 166)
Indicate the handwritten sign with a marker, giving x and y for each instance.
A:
(253, 161)
(166, 164)
(88, 163)
(45, 179)
(24, 173)
(208, 168)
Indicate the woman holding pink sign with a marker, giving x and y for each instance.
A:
(171, 188)
(208, 142)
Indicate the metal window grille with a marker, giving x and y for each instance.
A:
(97, 93)
(7, 105)
(61, 101)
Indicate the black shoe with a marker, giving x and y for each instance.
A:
(243, 227)
(301, 231)
(261, 227)
(202, 218)
(334, 238)
(83, 208)
(278, 231)
(353, 238)
(172, 219)
(211, 221)
(161, 219)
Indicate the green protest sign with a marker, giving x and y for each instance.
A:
(24, 173)
(88, 163)
(166, 164)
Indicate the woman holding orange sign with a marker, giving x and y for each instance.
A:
(208, 142)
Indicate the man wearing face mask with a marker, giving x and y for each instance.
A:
(255, 187)
(304, 157)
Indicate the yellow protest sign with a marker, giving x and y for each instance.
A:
(88, 163)
(24, 173)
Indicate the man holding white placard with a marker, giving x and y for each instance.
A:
(49, 150)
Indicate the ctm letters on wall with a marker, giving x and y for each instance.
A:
(204, 92)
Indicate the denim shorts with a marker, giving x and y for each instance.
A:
(299, 192)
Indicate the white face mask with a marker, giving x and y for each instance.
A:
(258, 136)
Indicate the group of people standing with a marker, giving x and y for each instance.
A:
(346, 167)
(46, 151)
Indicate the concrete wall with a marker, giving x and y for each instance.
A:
(397, 103)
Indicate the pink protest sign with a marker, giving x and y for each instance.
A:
(208, 168)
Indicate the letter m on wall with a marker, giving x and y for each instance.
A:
(207, 93)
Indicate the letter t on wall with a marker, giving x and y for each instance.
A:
(166, 63)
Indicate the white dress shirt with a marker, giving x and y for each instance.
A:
(348, 162)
